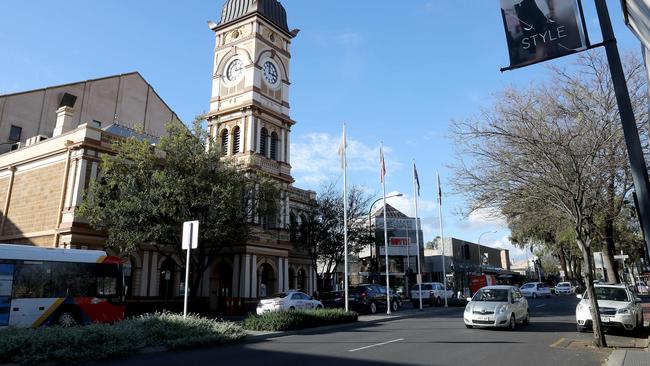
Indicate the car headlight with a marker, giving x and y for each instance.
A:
(580, 306)
(502, 309)
(623, 311)
(468, 308)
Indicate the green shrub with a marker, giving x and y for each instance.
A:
(103, 341)
(292, 320)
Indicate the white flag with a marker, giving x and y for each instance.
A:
(342, 149)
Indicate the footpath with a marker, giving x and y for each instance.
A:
(624, 357)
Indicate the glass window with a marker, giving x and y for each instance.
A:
(296, 297)
(15, 133)
(74, 279)
(492, 295)
(274, 146)
(610, 293)
(32, 280)
(6, 279)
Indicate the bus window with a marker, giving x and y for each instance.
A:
(32, 280)
(6, 280)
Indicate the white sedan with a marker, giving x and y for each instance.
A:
(618, 309)
(496, 306)
(286, 301)
(535, 290)
(564, 288)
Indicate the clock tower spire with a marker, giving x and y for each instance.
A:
(249, 108)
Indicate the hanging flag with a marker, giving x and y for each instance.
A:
(439, 190)
(415, 176)
(342, 149)
(382, 165)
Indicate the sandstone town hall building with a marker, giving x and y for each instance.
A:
(52, 141)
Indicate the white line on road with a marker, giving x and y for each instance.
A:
(376, 345)
(540, 305)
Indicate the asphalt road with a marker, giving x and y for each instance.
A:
(437, 337)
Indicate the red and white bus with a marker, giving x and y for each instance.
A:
(47, 286)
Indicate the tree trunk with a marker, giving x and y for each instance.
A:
(608, 253)
(562, 257)
(599, 336)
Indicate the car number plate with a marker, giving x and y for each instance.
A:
(482, 318)
(606, 319)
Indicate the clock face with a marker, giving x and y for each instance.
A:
(234, 70)
(270, 73)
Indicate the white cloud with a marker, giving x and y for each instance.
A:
(516, 254)
(315, 159)
(349, 38)
(483, 218)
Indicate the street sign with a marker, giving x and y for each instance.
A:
(190, 241)
(190, 234)
(622, 256)
(537, 31)
(637, 17)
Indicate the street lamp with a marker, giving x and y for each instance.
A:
(480, 259)
(370, 219)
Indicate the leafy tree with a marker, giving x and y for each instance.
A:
(147, 191)
(557, 148)
(321, 236)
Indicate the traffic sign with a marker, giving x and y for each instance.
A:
(622, 256)
(190, 235)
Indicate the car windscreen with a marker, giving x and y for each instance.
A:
(357, 289)
(610, 293)
(491, 294)
(281, 295)
(563, 284)
(424, 287)
(332, 295)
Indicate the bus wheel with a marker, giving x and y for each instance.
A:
(67, 318)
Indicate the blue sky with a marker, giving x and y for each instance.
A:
(394, 71)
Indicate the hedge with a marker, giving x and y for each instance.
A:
(292, 320)
(104, 341)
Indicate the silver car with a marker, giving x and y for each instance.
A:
(497, 306)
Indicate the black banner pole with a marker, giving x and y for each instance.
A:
(634, 151)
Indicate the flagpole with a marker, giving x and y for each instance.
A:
(383, 189)
(417, 231)
(345, 216)
(442, 238)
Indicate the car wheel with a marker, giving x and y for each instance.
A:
(581, 329)
(394, 306)
(527, 319)
(318, 307)
(67, 318)
(513, 322)
(415, 304)
(438, 301)
(292, 308)
(373, 308)
(534, 295)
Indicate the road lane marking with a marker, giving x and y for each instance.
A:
(540, 306)
(376, 345)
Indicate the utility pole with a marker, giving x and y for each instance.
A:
(630, 131)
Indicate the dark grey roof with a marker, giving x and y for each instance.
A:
(390, 212)
(272, 10)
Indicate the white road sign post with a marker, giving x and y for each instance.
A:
(190, 241)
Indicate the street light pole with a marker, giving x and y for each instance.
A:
(480, 259)
(370, 220)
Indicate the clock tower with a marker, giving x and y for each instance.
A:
(249, 119)
(249, 108)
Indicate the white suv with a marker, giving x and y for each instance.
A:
(618, 308)
(433, 293)
(535, 290)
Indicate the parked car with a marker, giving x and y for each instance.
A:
(619, 308)
(564, 288)
(333, 299)
(286, 301)
(433, 293)
(371, 298)
(535, 290)
(642, 288)
(497, 306)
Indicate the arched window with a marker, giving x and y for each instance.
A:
(274, 146)
(293, 228)
(263, 136)
(236, 140)
(224, 142)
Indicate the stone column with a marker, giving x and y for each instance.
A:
(286, 274)
(280, 274)
(154, 275)
(246, 288)
(144, 275)
(235, 276)
(254, 276)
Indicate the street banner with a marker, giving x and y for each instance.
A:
(398, 241)
(540, 30)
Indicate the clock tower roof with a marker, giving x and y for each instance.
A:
(271, 10)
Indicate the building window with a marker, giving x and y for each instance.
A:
(263, 136)
(274, 146)
(15, 132)
(96, 123)
(224, 142)
(236, 141)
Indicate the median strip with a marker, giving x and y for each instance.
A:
(376, 345)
